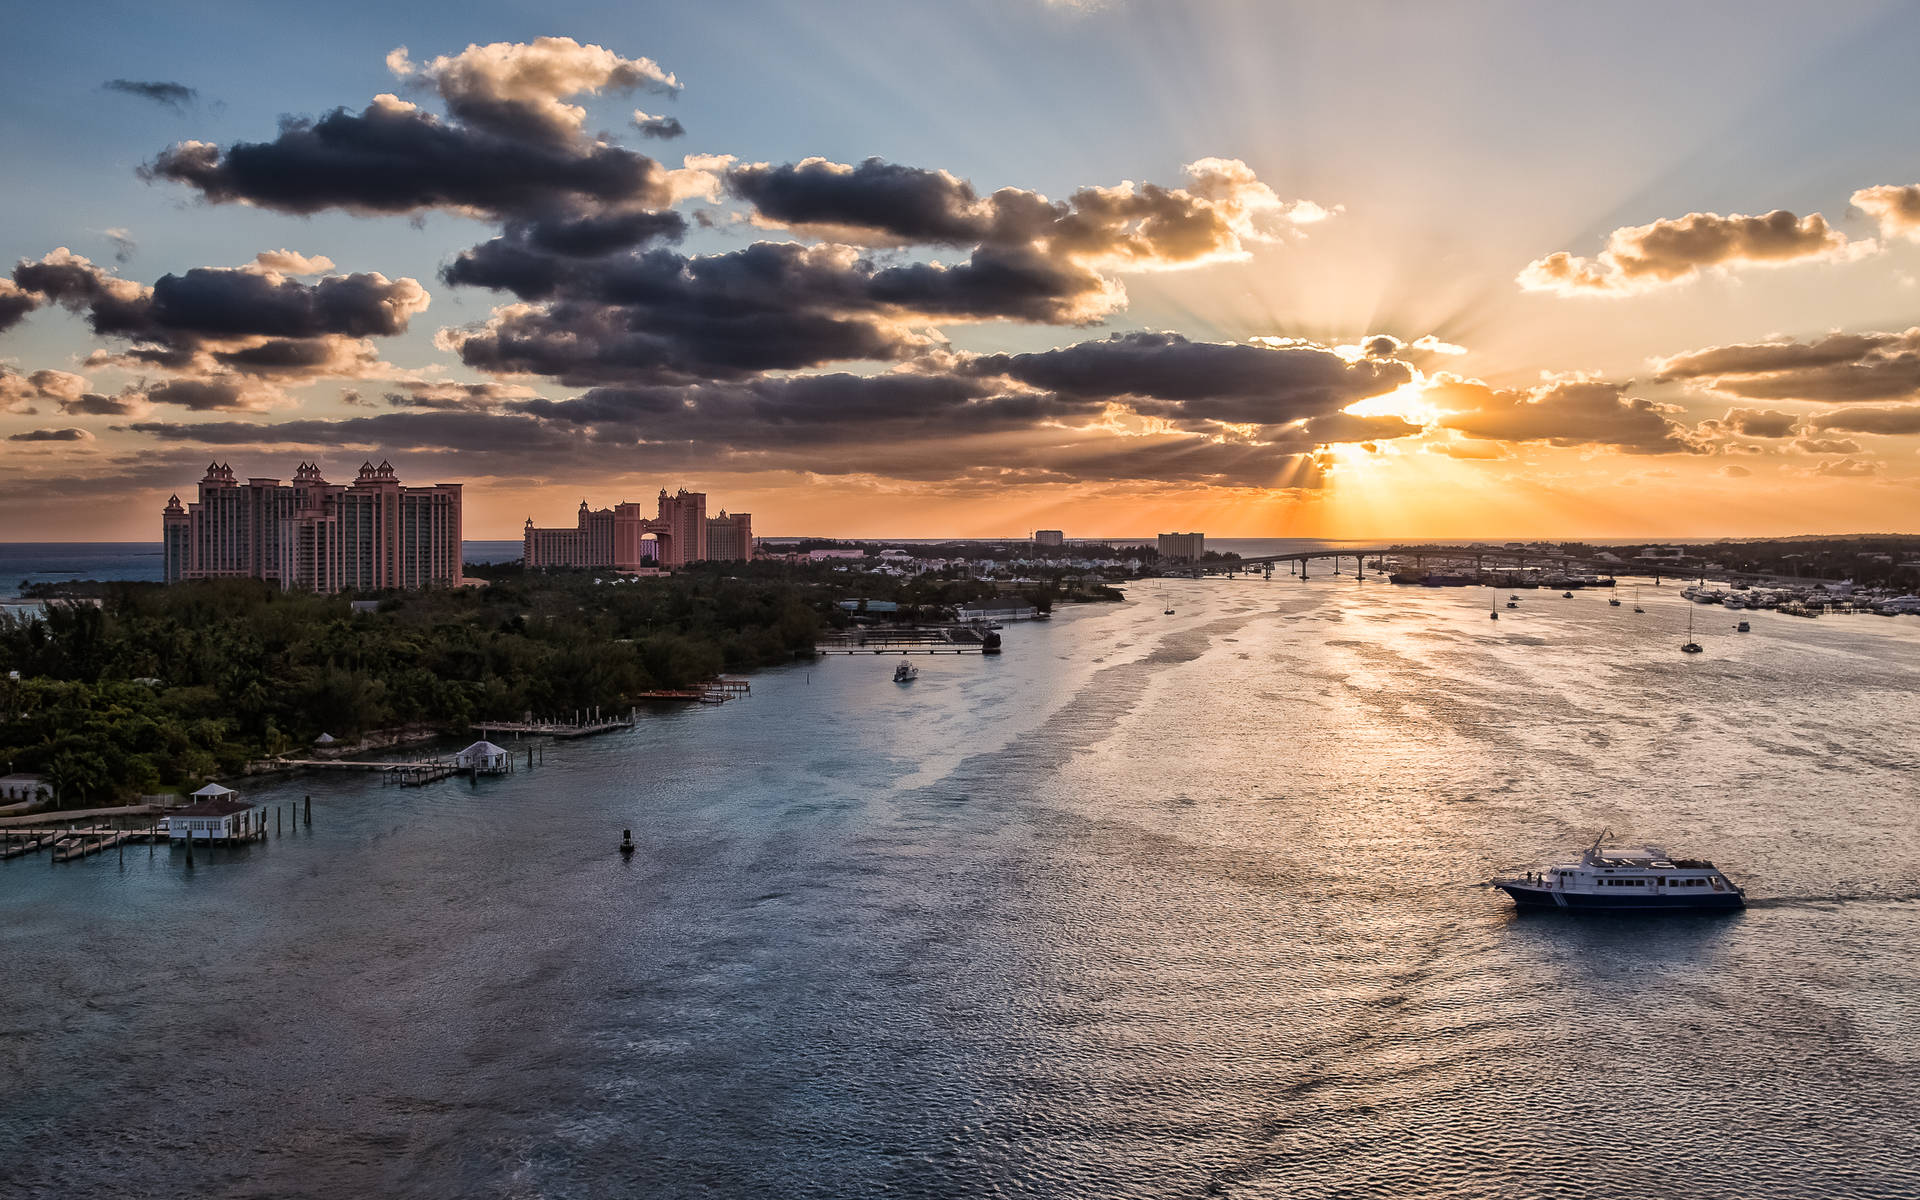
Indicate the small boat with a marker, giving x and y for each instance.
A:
(1566, 595)
(626, 842)
(1494, 612)
(906, 672)
(1625, 878)
(1513, 604)
(1692, 647)
(1167, 613)
(1743, 627)
(1613, 602)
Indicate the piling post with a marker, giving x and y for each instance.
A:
(189, 847)
(277, 809)
(309, 812)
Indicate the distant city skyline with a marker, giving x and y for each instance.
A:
(1363, 271)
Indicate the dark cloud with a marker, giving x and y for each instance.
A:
(1640, 257)
(177, 96)
(664, 128)
(1890, 421)
(15, 304)
(1167, 375)
(1565, 413)
(52, 435)
(393, 158)
(1223, 208)
(1838, 368)
(251, 320)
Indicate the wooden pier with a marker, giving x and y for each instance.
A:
(906, 639)
(585, 726)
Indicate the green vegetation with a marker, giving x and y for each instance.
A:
(157, 686)
(151, 688)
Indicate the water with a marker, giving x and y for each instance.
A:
(22, 563)
(1148, 906)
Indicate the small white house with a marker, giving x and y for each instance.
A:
(24, 787)
(486, 758)
(216, 814)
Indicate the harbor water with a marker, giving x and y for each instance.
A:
(1146, 906)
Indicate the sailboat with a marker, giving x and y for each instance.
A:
(1692, 647)
(1636, 601)
(1495, 610)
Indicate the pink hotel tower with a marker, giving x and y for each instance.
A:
(316, 536)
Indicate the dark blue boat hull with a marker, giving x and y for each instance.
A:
(1538, 897)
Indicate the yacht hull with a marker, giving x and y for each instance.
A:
(1538, 897)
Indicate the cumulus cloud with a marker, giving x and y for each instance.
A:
(291, 262)
(52, 435)
(1223, 208)
(176, 96)
(1567, 412)
(23, 393)
(1895, 208)
(664, 128)
(1847, 468)
(251, 320)
(1735, 471)
(519, 90)
(1751, 422)
(1639, 258)
(1838, 368)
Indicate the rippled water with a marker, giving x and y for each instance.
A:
(1148, 906)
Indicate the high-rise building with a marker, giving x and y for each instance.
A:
(621, 539)
(1183, 547)
(313, 535)
(1049, 537)
(730, 538)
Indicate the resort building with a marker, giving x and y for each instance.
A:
(1049, 537)
(730, 538)
(313, 535)
(622, 539)
(1182, 547)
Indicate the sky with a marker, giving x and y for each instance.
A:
(1366, 269)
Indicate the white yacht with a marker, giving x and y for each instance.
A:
(906, 672)
(1630, 878)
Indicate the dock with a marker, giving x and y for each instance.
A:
(584, 725)
(713, 691)
(908, 639)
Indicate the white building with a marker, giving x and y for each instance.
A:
(216, 814)
(24, 787)
(486, 758)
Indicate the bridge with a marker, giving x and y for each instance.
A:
(1491, 558)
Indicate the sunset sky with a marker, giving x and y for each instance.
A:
(1345, 269)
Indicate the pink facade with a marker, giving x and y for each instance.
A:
(317, 536)
(622, 539)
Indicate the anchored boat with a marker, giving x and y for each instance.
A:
(1625, 878)
(906, 672)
